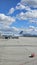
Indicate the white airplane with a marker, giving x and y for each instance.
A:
(10, 35)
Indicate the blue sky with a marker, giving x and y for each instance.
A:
(18, 14)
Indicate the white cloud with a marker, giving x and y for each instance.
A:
(6, 20)
(33, 21)
(30, 15)
(31, 27)
(30, 30)
(9, 30)
(34, 29)
(11, 11)
(21, 16)
(30, 3)
(16, 29)
(20, 7)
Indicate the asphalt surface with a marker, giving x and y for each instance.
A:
(17, 51)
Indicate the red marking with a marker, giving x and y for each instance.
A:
(32, 55)
(21, 64)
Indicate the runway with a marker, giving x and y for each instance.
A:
(17, 51)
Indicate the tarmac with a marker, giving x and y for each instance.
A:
(18, 51)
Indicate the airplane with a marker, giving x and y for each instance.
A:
(8, 36)
(9, 33)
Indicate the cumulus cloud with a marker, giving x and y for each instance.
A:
(30, 3)
(30, 15)
(6, 20)
(34, 29)
(9, 30)
(21, 6)
(11, 11)
(16, 29)
(21, 16)
(30, 30)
